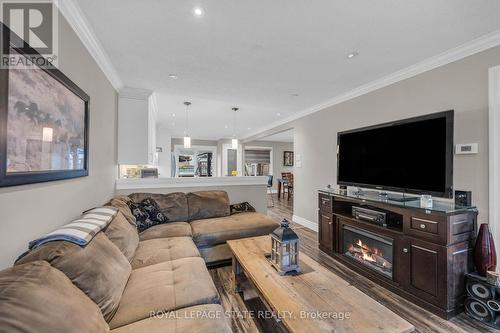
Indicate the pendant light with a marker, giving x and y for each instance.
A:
(187, 138)
(234, 141)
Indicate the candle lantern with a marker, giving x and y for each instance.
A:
(285, 249)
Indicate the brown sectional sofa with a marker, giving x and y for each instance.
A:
(155, 281)
(205, 217)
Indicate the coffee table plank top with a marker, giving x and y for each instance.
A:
(299, 299)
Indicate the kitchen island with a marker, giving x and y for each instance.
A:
(239, 189)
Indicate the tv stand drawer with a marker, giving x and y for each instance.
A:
(427, 227)
(424, 225)
(325, 203)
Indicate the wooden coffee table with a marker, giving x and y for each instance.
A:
(315, 300)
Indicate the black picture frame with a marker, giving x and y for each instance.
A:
(288, 158)
(30, 177)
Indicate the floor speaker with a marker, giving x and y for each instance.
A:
(483, 300)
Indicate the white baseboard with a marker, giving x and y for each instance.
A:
(306, 223)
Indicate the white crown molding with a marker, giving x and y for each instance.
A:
(76, 19)
(467, 49)
(135, 93)
(304, 222)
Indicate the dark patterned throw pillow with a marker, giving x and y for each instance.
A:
(241, 208)
(147, 214)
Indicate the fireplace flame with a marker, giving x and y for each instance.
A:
(372, 255)
(367, 252)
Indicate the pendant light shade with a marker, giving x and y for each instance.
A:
(187, 142)
(187, 138)
(234, 141)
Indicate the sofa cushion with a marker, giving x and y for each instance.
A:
(123, 235)
(208, 204)
(170, 229)
(163, 287)
(121, 203)
(147, 214)
(211, 232)
(36, 297)
(173, 205)
(208, 318)
(99, 269)
(153, 251)
(216, 253)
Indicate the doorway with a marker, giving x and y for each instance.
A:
(231, 160)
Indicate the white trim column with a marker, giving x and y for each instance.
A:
(494, 153)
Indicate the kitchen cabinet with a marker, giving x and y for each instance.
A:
(137, 114)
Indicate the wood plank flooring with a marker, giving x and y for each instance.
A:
(246, 315)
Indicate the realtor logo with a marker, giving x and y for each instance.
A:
(33, 31)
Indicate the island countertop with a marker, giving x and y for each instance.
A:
(182, 182)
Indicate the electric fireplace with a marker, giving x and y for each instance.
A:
(371, 250)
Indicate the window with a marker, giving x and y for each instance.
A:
(197, 161)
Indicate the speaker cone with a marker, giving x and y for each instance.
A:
(478, 310)
(493, 305)
(479, 290)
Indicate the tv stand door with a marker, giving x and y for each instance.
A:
(327, 234)
(424, 270)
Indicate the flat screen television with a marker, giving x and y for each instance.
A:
(410, 156)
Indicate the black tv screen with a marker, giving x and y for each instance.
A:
(413, 155)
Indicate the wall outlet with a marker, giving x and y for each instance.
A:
(466, 148)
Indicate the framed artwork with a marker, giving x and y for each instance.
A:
(44, 120)
(288, 158)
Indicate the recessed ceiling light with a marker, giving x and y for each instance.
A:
(225, 126)
(197, 11)
(173, 115)
(352, 54)
(278, 114)
(172, 76)
(249, 128)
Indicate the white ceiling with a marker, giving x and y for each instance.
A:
(208, 118)
(285, 136)
(257, 54)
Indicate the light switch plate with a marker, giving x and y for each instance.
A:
(466, 148)
(298, 161)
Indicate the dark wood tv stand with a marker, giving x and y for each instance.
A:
(431, 248)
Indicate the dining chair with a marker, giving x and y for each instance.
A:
(289, 185)
(270, 189)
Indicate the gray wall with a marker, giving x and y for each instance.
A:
(462, 86)
(278, 149)
(30, 211)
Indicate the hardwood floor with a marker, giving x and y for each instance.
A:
(245, 315)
